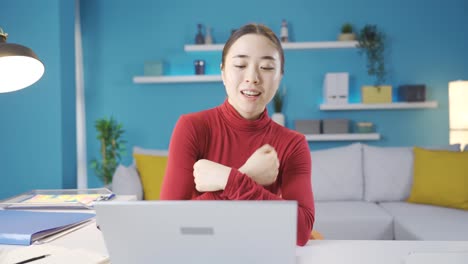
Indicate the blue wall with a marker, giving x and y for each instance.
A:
(427, 41)
(37, 140)
(426, 45)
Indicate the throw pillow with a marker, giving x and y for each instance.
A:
(151, 169)
(337, 173)
(466, 148)
(127, 182)
(388, 173)
(440, 178)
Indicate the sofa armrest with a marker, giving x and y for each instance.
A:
(126, 181)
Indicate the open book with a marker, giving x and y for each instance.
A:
(19, 227)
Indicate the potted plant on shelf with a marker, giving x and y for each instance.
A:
(111, 149)
(278, 103)
(371, 43)
(347, 33)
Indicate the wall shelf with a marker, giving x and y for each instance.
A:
(177, 79)
(286, 46)
(343, 137)
(396, 105)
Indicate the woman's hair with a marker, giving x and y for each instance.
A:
(254, 29)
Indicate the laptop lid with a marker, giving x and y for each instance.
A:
(182, 232)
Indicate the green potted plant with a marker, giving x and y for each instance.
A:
(112, 147)
(347, 33)
(371, 43)
(278, 103)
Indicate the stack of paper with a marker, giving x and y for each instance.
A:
(58, 199)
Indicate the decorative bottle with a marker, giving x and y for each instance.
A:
(199, 38)
(208, 37)
(284, 31)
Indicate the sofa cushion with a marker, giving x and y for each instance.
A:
(126, 181)
(337, 173)
(151, 166)
(427, 222)
(352, 220)
(440, 178)
(388, 173)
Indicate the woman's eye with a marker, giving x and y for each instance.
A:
(267, 68)
(239, 66)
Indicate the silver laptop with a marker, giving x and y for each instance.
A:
(182, 232)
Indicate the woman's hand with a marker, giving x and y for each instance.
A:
(210, 176)
(262, 166)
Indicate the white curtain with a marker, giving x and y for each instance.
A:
(82, 175)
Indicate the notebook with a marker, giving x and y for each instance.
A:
(19, 227)
(181, 232)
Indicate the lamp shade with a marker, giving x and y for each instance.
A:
(19, 66)
(458, 112)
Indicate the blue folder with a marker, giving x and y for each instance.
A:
(25, 227)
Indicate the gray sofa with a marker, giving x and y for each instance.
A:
(360, 192)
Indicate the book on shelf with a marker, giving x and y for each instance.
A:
(23, 227)
(58, 199)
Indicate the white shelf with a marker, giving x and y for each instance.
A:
(343, 137)
(286, 46)
(177, 79)
(204, 47)
(320, 45)
(396, 105)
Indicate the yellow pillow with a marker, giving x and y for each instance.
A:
(151, 169)
(440, 178)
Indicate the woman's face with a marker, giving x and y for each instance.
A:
(251, 74)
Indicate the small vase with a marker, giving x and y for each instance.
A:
(278, 118)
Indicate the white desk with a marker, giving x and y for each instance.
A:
(370, 251)
(315, 252)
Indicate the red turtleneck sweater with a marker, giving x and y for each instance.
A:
(223, 136)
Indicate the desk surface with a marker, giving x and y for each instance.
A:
(371, 251)
(316, 251)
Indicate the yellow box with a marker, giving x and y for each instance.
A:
(376, 94)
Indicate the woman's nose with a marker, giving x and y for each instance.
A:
(252, 77)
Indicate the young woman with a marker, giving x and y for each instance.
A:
(235, 151)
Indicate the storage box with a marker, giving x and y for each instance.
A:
(308, 126)
(376, 94)
(412, 93)
(336, 88)
(335, 126)
(154, 68)
(364, 127)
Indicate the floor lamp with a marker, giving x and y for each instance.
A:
(458, 112)
(19, 65)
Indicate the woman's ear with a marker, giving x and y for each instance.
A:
(222, 73)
